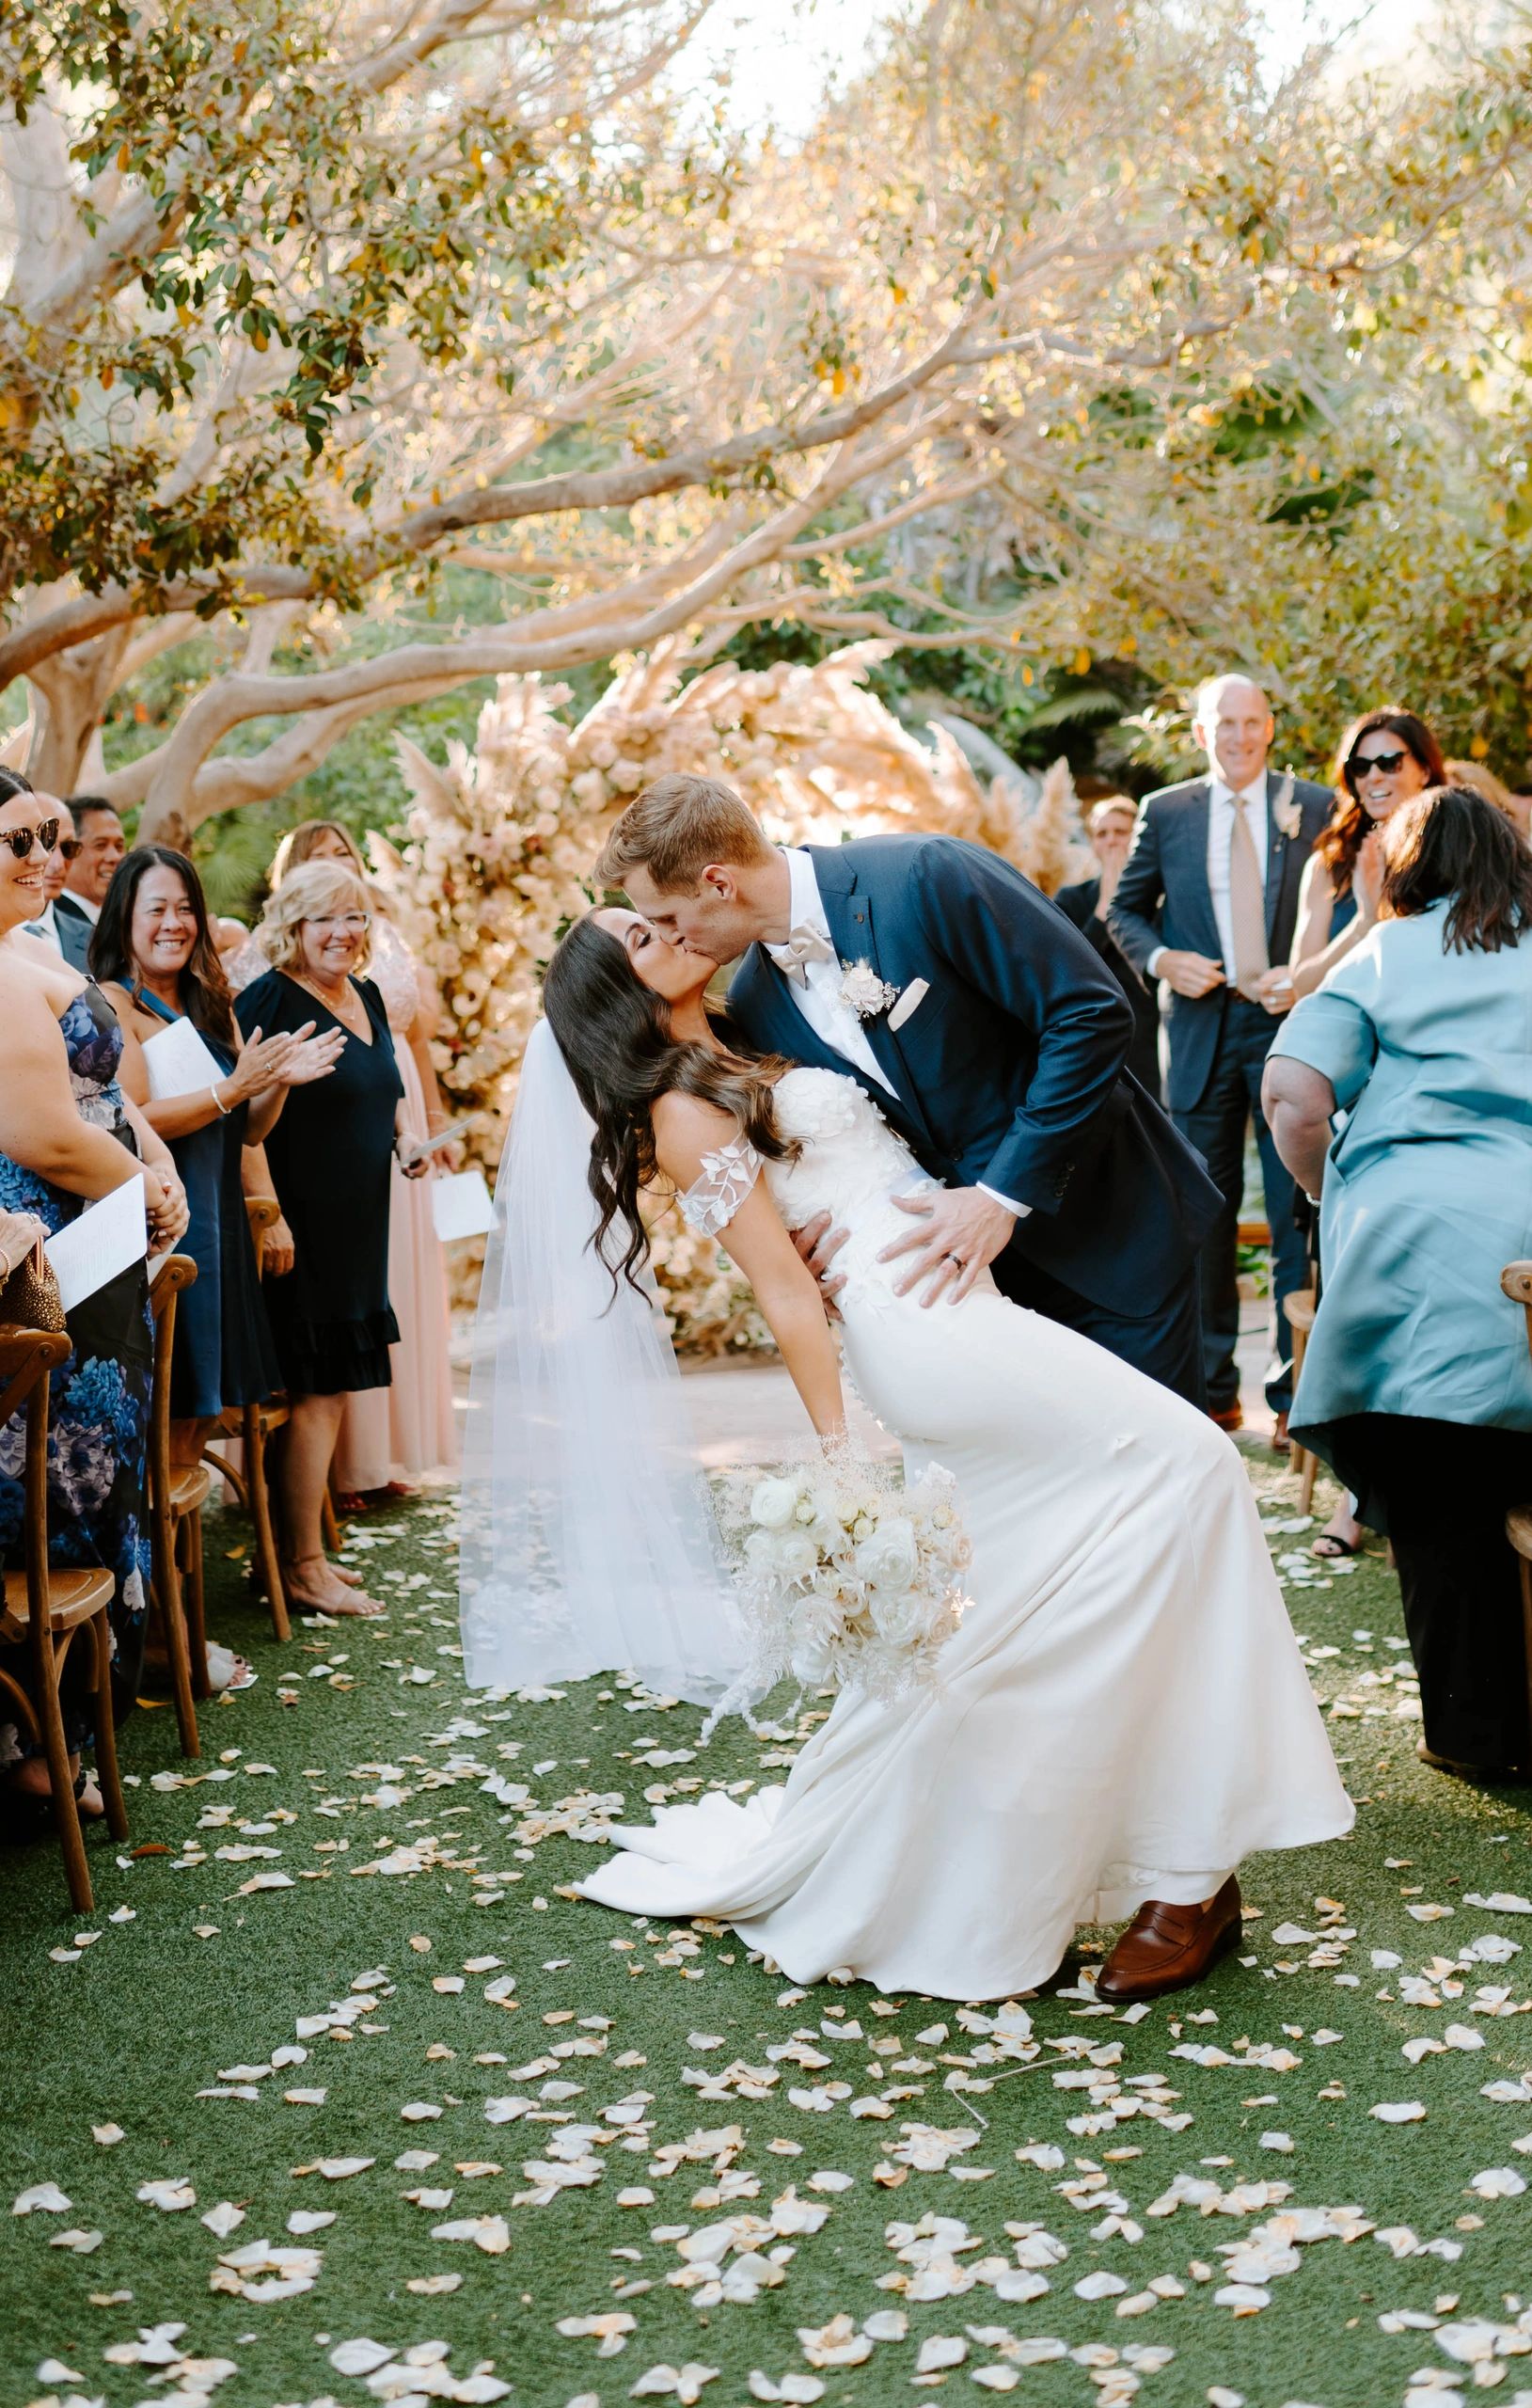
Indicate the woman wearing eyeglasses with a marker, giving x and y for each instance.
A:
(330, 1157)
(68, 1137)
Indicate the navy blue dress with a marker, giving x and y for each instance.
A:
(223, 1353)
(331, 1157)
(98, 1402)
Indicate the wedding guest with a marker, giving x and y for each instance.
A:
(66, 850)
(330, 1155)
(1416, 1385)
(390, 1436)
(153, 952)
(1483, 781)
(1384, 758)
(1109, 825)
(1207, 901)
(101, 845)
(68, 1137)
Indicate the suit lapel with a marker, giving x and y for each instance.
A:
(1195, 822)
(1278, 854)
(848, 911)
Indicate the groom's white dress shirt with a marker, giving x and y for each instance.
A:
(1221, 806)
(818, 994)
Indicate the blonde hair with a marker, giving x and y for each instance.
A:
(306, 894)
(675, 829)
(297, 847)
(1483, 781)
(1110, 807)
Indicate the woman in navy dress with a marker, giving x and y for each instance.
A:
(330, 1158)
(67, 1136)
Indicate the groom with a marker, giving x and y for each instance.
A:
(987, 1031)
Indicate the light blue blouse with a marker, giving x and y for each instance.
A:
(1428, 1191)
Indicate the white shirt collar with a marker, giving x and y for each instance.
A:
(805, 903)
(1255, 792)
(82, 903)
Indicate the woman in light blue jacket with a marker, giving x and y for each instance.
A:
(1417, 1383)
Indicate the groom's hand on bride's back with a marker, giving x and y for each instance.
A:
(819, 1242)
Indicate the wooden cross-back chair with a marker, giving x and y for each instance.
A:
(50, 1609)
(176, 1497)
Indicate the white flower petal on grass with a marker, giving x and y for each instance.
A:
(304, 2220)
(1462, 2035)
(802, 2390)
(684, 2382)
(108, 2135)
(44, 2198)
(1000, 2378)
(610, 2330)
(939, 2351)
(1099, 2286)
(1408, 2110)
(169, 2195)
(360, 2356)
(1246, 2299)
(835, 2344)
(80, 2242)
(224, 2219)
(491, 2234)
(1498, 2182)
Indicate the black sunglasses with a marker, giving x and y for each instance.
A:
(21, 840)
(1386, 763)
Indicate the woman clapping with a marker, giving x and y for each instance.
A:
(331, 1156)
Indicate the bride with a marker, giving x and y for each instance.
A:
(1122, 1714)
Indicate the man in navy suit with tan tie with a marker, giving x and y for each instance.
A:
(1208, 903)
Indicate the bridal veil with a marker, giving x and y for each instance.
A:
(589, 1542)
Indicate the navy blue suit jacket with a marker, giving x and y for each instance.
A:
(1009, 1070)
(1163, 898)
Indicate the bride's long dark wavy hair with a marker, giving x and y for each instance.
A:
(615, 1035)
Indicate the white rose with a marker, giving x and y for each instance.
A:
(806, 1512)
(900, 1619)
(889, 1558)
(761, 1552)
(775, 1501)
(795, 1554)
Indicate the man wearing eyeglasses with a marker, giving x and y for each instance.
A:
(1208, 902)
(55, 870)
(101, 845)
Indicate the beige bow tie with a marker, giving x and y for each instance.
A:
(804, 945)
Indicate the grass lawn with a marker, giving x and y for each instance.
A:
(656, 2083)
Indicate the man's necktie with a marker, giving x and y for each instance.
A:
(804, 945)
(1247, 903)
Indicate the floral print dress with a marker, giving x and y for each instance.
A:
(98, 1402)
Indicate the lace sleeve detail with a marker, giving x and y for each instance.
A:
(711, 1202)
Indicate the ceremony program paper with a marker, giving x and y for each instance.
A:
(105, 1240)
(178, 1062)
(460, 1206)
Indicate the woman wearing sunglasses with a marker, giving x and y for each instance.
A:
(1384, 759)
(67, 1136)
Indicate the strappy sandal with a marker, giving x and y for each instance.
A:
(1330, 1547)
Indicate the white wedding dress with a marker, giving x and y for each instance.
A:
(1124, 1713)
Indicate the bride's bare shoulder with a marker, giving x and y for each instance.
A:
(687, 1130)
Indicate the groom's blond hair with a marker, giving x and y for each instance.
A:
(675, 829)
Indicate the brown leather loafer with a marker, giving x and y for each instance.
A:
(1168, 1948)
(1227, 1417)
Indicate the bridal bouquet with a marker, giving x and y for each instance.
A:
(847, 1579)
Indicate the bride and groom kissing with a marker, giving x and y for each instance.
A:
(917, 1105)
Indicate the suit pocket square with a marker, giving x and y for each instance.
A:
(909, 1002)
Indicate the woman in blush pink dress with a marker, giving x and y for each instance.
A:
(388, 1437)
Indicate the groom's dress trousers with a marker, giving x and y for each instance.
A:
(1001, 1062)
(1177, 892)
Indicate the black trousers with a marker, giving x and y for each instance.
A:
(1217, 1127)
(1441, 1491)
(1165, 1345)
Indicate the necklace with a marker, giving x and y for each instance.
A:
(346, 1011)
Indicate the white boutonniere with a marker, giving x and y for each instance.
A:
(864, 992)
(1285, 814)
